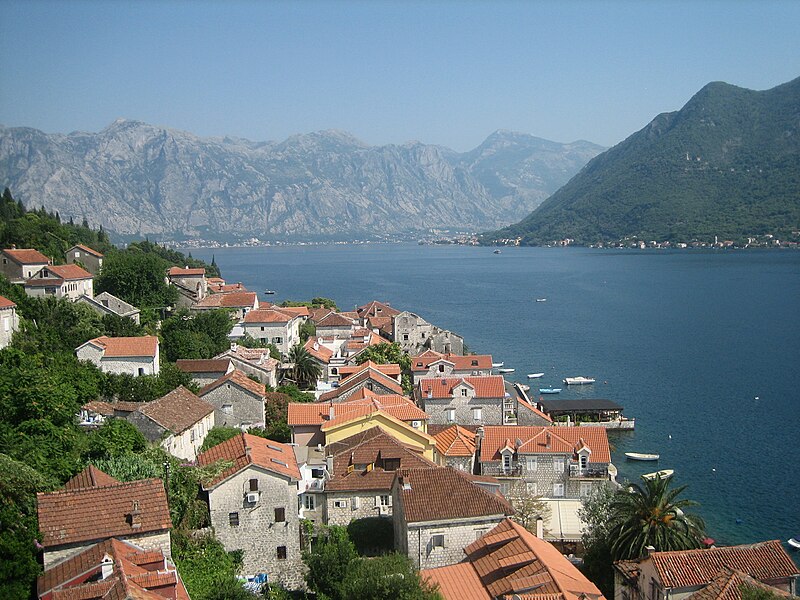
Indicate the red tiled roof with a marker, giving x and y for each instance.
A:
(318, 413)
(485, 386)
(245, 450)
(297, 311)
(335, 320)
(229, 300)
(376, 309)
(177, 411)
(455, 441)
(38, 282)
(117, 347)
(687, 568)
(510, 561)
(99, 407)
(185, 272)
(214, 365)
(238, 378)
(533, 409)
(388, 369)
(70, 516)
(268, 315)
(26, 256)
(362, 377)
(6, 303)
(317, 314)
(317, 350)
(445, 493)
(91, 476)
(423, 361)
(535, 440)
(88, 250)
(70, 272)
(728, 583)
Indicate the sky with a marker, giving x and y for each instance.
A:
(388, 72)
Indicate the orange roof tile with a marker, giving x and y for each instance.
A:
(268, 315)
(360, 378)
(376, 309)
(91, 476)
(78, 515)
(214, 365)
(26, 256)
(177, 411)
(116, 347)
(185, 272)
(297, 311)
(317, 350)
(423, 361)
(544, 440)
(6, 303)
(237, 378)
(245, 450)
(728, 583)
(229, 300)
(455, 441)
(88, 250)
(335, 320)
(70, 272)
(485, 386)
(99, 407)
(457, 582)
(387, 369)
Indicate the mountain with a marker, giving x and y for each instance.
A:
(727, 164)
(136, 179)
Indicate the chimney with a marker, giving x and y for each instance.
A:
(107, 567)
(331, 412)
(547, 442)
(648, 550)
(247, 451)
(135, 516)
(540, 528)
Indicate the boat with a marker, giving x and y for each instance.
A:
(269, 292)
(535, 375)
(497, 251)
(640, 456)
(578, 380)
(497, 365)
(505, 370)
(549, 390)
(665, 474)
(541, 299)
(794, 542)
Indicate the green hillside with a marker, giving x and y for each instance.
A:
(727, 164)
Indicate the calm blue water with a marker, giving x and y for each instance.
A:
(686, 341)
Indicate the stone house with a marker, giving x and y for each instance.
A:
(390, 370)
(113, 569)
(191, 284)
(703, 574)
(359, 340)
(363, 470)
(61, 281)
(324, 357)
(255, 362)
(92, 260)
(108, 304)
(93, 507)
(528, 413)
(95, 413)
(238, 303)
(375, 309)
(238, 400)
(367, 377)
(9, 321)
(273, 326)
(179, 422)
(335, 325)
(204, 372)
(439, 512)
(434, 364)
(456, 447)
(415, 335)
(553, 462)
(132, 355)
(480, 400)
(19, 265)
(253, 506)
(510, 562)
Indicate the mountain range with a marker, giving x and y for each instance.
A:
(136, 179)
(727, 165)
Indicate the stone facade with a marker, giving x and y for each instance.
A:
(462, 463)
(344, 506)
(9, 321)
(17, 271)
(148, 541)
(132, 365)
(282, 335)
(235, 406)
(91, 261)
(463, 405)
(107, 304)
(415, 335)
(268, 530)
(185, 444)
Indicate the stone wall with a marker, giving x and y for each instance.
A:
(159, 540)
(462, 463)
(245, 409)
(544, 473)
(357, 505)
(491, 410)
(422, 540)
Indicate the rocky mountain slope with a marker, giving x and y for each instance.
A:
(137, 179)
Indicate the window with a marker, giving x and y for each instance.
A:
(474, 363)
(558, 464)
(309, 501)
(586, 489)
(505, 488)
(384, 500)
(192, 435)
(141, 371)
(441, 368)
(477, 413)
(479, 533)
(558, 490)
(464, 392)
(280, 514)
(262, 329)
(532, 464)
(391, 464)
(281, 552)
(233, 519)
(317, 473)
(340, 503)
(277, 340)
(227, 409)
(506, 461)
(450, 413)
(437, 541)
(405, 337)
(6, 324)
(584, 461)
(253, 485)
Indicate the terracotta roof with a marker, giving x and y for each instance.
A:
(117, 347)
(360, 378)
(185, 272)
(445, 493)
(238, 378)
(26, 256)
(229, 300)
(88, 250)
(245, 450)
(455, 441)
(38, 282)
(217, 281)
(70, 272)
(686, 568)
(388, 369)
(214, 365)
(90, 477)
(728, 583)
(376, 309)
(256, 356)
(99, 407)
(268, 315)
(317, 314)
(423, 361)
(317, 350)
(318, 413)
(510, 561)
(70, 516)
(485, 386)
(297, 311)
(335, 320)
(535, 440)
(6, 303)
(177, 411)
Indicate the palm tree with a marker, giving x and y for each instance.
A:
(652, 515)
(305, 371)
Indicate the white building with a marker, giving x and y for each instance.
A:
(133, 355)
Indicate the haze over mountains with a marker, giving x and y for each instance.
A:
(727, 165)
(136, 179)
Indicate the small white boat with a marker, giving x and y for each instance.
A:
(640, 456)
(541, 299)
(497, 251)
(665, 474)
(535, 375)
(578, 380)
(549, 390)
(269, 292)
(794, 542)
(497, 365)
(505, 370)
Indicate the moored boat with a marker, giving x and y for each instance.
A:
(506, 370)
(541, 299)
(549, 390)
(269, 292)
(535, 375)
(794, 542)
(581, 380)
(664, 474)
(497, 251)
(497, 365)
(641, 456)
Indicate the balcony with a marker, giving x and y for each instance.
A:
(575, 472)
(499, 471)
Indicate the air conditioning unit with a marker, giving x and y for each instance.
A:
(383, 510)
(252, 497)
(416, 424)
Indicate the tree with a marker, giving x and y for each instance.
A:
(137, 277)
(527, 508)
(115, 438)
(307, 330)
(305, 371)
(652, 515)
(218, 434)
(598, 564)
(384, 354)
(330, 559)
(196, 335)
(205, 566)
(389, 576)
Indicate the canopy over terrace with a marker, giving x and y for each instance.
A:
(582, 410)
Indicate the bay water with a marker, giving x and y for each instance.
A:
(701, 347)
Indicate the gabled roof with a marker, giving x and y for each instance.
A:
(119, 347)
(485, 386)
(185, 272)
(545, 440)
(297, 311)
(237, 378)
(445, 493)
(70, 272)
(177, 411)
(510, 561)
(728, 583)
(360, 379)
(423, 361)
(317, 350)
(79, 515)
(390, 369)
(99, 407)
(335, 320)
(687, 568)
(530, 407)
(229, 300)
(26, 256)
(245, 450)
(319, 413)
(317, 314)
(6, 303)
(90, 477)
(455, 441)
(376, 309)
(268, 315)
(87, 250)
(213, 365)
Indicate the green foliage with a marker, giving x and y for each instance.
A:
(136, 277)
(248, 341)
(295, 393)
(145, 388)
(175, 258)
(330, 559)
(205, 566)
(372, 536)
(116, 326)
(115, 438)
(307, 330)
(305, 371)
(752, 592)
(384, 354)
(389, 576)
(132, 467)
(196, 335)
(318, 302)
(598, 564)
(217, 435)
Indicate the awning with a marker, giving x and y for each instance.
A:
(563, 524)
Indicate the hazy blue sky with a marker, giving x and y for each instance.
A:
(440, 72)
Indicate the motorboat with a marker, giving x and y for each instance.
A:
(665, 474)
(641, 456)
(497, 251)
(549, 390)
(269, 292)
(578, 380)
(541, 299)
(506, 370)
(497, 365)
(535, 375)
(794, 542)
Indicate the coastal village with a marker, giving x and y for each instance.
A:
(480, 481)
